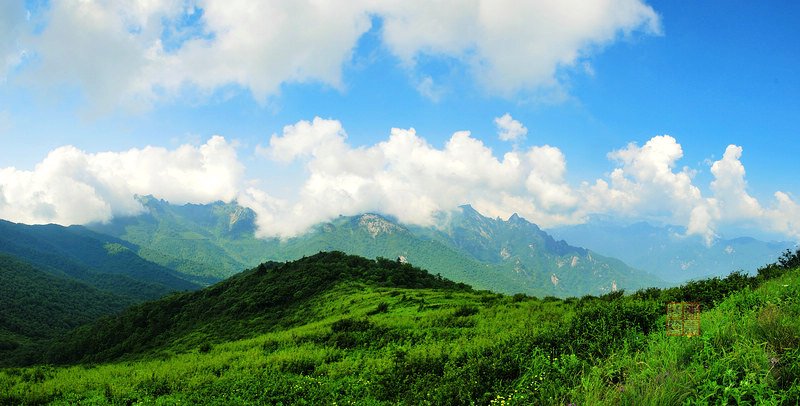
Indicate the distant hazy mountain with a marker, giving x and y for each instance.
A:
(101, 261)
(667, 253)
(512, 256)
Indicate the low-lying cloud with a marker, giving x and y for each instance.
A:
(406, 177)
(403, 176)
(71, 186)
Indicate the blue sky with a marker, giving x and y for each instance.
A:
(584, 81)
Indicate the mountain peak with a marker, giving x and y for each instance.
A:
(376, 224)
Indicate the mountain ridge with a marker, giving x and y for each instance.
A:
(102, 261)
(198, 239)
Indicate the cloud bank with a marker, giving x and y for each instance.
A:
(71, 186)
(402, 176)
(136, 54)
(406, 177)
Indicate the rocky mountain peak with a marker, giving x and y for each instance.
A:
(377, 225)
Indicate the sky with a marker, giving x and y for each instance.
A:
(684, 113)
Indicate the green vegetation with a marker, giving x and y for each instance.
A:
(266, 297)
(39, 306)
(209, 242)
(339, 329)
(97, 260)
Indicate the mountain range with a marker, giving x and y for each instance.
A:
(667, 252)
(511, 256)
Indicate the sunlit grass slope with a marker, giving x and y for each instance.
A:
(362, 340)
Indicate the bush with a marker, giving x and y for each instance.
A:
(465, 311)
(383, 307)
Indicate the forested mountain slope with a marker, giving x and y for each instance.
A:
(37, 306)
(104, 262)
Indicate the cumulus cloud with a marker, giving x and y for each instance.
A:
(117, 52)
(71, 186)
(402, 175)
(509, 129)
(406, 177)
(135, 54)
(647, 183)
(646, 178)
(729, 186)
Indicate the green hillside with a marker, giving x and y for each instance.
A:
(101, 261)
(367, 332)
(38, 306)
(267, 297)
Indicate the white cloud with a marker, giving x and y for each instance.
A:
(646, 180)
(108, 49)
(118, 54)
(729, 186)
(11, 23)
(115, 52)
(512, 45)
(784, 216)
(428, 88)
(509, 129)
(648, 185)
(403, 176)
(74, 187)
(406, 177)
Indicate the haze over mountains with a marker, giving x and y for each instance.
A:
(667, 252)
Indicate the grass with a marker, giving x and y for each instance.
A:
(362, 344)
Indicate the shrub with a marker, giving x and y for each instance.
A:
(383, 307)
(465, 311)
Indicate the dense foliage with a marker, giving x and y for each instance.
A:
(37, 305)
(351, 330)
